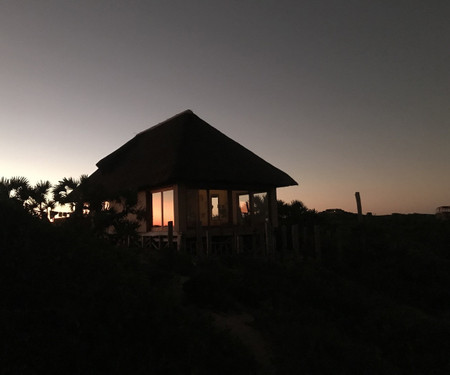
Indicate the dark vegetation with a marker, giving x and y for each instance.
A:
(377, 302)
(382, 309)
(72, 304)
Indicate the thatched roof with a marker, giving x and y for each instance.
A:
(185, 149)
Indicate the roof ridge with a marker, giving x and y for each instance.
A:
(179, 156)
(185, 112)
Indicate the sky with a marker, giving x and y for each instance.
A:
(344, 96)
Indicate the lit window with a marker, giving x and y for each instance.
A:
(157, 209)
(168, 212)
(244, 205)
(215, 207)
(252, 207)
(162, 208)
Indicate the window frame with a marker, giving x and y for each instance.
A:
(161, 193)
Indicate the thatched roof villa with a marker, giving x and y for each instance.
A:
(186, 171)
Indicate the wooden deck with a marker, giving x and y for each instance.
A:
(212, 240)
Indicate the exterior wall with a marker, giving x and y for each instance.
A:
(141, 205)
(202, 207)
(179, 208)
(273, 207)
(235, 207)
(190, 204)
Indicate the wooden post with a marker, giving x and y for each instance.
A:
(267, 237)
(148, 211)
(317, 242)
(339, 245)
(284, 237)
(234, 242)
(358, 205)
(295, 240)
(254, 245)
(305, 250)
(208, 243)
(283, 240)
(179, 241)
(239, 244)
(170, 234)
(199, 242)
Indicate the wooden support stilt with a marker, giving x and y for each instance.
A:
(283, 237)
(267, 238)
(170, 234)
(239, 243)
(306, 252)
(283, 241)
(199, 239)
(317, 248)
(234, 244)
(339, 246)
(208, 243)
(295, 240)
(180, 239)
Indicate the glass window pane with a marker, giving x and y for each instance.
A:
(244, 204)
(156, 209)
(260, 207)
(214, 207)
(219, 207)
(244, 208)
(168, 211)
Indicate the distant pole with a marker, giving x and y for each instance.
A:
(358, 205)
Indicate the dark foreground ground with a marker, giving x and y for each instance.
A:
(71, 304)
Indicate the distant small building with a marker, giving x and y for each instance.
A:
(189, 173)
(335, 211)
(443, 212)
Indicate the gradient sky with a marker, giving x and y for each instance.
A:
(344, 96)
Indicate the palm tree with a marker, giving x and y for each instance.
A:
(5, 188)
(39, 202)
(16, 188)
(73, 192)
(63, 189)
(21, 188)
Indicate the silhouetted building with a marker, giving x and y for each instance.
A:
(187, 172)
(443, 212)
(336, 211)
